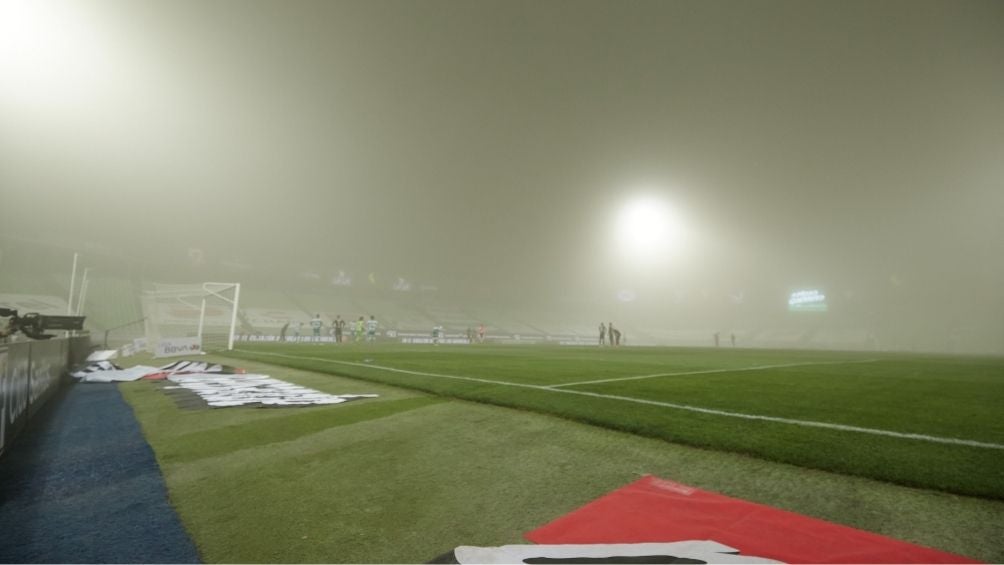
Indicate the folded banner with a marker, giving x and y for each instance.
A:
(253, 390)
(676, 552)
(192, 367)
(96, 366)
(94, 373)
(656, 510)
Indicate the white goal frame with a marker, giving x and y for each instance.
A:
(195, 298)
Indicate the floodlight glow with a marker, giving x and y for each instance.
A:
(50, 51)
(647, 228)
(626, 295)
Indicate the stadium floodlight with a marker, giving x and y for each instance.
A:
(647, 228)
(54, 55)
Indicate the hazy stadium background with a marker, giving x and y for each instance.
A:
(484, 150)
(458, 163)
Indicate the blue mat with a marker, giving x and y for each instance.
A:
(81, 485)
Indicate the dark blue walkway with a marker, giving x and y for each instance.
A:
(81, 485)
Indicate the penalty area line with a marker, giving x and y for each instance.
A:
(672, 405)
(709, 371)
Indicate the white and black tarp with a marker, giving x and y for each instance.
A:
(106, 371)
(81, 372)
(697, 551)
(102, 354)
(181, 367)
(114, 375)
(220, 391)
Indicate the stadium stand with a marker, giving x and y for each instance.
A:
(35, 278)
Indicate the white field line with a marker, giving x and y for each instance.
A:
(791, 421)
(707, 371)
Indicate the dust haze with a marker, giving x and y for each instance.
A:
(476, 155)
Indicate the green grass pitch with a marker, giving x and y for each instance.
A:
(420, 470)
(954, 405)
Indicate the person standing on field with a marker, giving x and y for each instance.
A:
(371, 328)
(603, 334)
(339, 324)
(316, 324)
(614, 334)
(481, 333)
(359, 329)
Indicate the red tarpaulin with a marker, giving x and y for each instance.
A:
(656, 510)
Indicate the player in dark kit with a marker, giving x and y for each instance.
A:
(339, 328)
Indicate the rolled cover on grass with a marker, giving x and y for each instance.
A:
(656, 510)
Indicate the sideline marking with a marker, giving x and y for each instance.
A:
(791, 421)
(704, 372)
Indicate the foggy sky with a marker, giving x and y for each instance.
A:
(846, 144)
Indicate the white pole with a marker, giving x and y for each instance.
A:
(84, 283)
(73, 279)
(202, 319)
(233, 315)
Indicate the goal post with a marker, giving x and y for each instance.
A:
(191, 318)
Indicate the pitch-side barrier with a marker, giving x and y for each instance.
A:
(30, 374)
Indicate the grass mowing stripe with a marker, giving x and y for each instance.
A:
(710, 411)
(708, 371)
(806, 423)
(217, 441)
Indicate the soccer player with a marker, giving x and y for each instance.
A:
(732, 336)
(316, 325)
(359, 329)
(282, 332)
(603, 334)
(371, 328)
(339, 324)
(437, 332)
(481, 333)
(716, 339)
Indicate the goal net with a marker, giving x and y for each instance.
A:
(186, 319)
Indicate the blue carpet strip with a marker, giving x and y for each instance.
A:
(81, 485)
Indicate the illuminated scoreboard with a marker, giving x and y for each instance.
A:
(811, 300)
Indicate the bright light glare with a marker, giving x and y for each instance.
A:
(648, 229)
(50, 52)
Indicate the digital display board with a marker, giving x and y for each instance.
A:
(810, 300)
